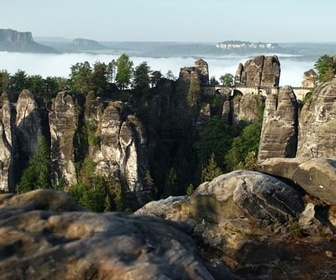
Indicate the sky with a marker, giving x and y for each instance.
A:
(174, 20)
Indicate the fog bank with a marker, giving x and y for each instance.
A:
(45, 65)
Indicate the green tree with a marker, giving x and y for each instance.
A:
(326, 68)
(194, 92)
(37, 174)
(142, 77)
(35, 84)
(100, 78)
(124, 71)
(155, 77)
(227, 80)
(216, 139)
(171, 183)
(4, 81)
(246, 144)
(17, 83)
(211, 170)
(81, 77)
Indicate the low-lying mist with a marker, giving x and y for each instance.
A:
(45, 65)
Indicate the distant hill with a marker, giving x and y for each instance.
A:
(14, 41)
(76, 45)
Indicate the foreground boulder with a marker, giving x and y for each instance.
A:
(317, 176)
(38, 240)
(259, 225)
(233, 207)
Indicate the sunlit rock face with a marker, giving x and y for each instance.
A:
(63, 123)
(316, 176)
(309, 79)
(6, 146)
(280, 125)
(260, 71)
(317, 135)
(122, 146)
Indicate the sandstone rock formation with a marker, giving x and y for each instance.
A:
(245, 107)
(201, 68)
(317, 176)
(317, 136)
(122, 147)
(39, 240)
(231, 207)
(28, 123)
(280, 125)
(63, 123)
(259, 225)
(309, 79)
(260, 71)
(6, 145)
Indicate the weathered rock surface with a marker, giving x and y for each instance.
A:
(280, 125)
(245, 107)
(309, 79)
(63, 123)
(38, 240)
(260, 71)
(122, 147)
(6, 146)
(317, 176)
(257, 224)
(201, 68)
(28, 123)
(317, 135)
(225, 211)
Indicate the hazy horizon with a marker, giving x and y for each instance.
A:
(174, 20)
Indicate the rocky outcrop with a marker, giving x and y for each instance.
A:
(257, 224)
(316, 176)
(317, 136)
(260, 71)
(45, 235)
(122, 147)
(14, 41)
(233, 206)
(245, 107)
(28, 123)
(202, 70)
(6, 146)
(309, 79)
(63, 123)
(280, 125)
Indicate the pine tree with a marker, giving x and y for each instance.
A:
(37, 174)
(211, 170)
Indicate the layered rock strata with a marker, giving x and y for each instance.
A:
(280, 125)
(317, 135)
(260, 71)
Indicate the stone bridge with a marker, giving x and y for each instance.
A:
(300, 92)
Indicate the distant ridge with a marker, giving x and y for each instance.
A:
(15, 41)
